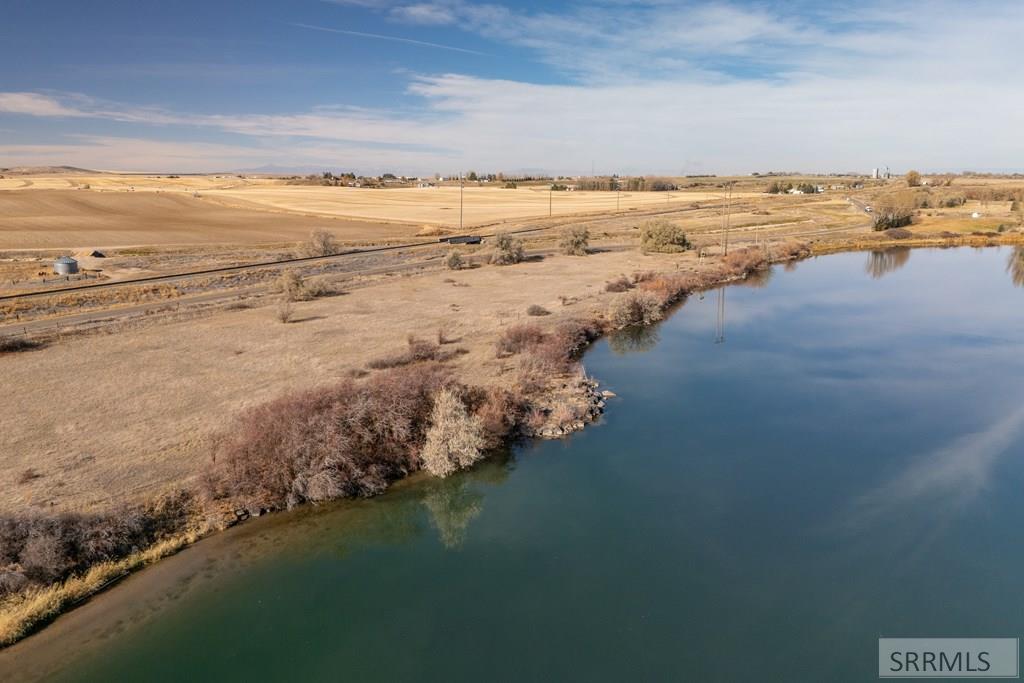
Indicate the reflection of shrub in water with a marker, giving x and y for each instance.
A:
(452, 506)
(633, 339)
(1015, 266)
(757, 278)
(881, 263)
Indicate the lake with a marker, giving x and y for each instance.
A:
(793, 467)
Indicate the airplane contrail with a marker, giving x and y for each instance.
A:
(396, 39)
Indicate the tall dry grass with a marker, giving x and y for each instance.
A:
(24, 613)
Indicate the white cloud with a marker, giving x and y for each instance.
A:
(664, 88)
(33, 104)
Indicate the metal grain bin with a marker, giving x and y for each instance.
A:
(65, 265)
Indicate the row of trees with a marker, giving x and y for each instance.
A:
(777, 187)
(637, 184)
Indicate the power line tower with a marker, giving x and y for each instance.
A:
(726, 217)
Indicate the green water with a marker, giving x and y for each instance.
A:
(847, 463)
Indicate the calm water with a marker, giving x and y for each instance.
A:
(848, 463)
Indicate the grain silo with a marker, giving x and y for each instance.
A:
(65, 265)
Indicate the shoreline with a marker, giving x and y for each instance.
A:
(30, 614)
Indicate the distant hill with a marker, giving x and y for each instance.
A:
(45, 170)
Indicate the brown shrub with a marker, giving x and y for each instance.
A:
(285, 311)
(500, 411)
(454, 260)
(507, 250)
(635, 308)
(898, 233)
(670, 286)
(663, 237)
(745, 260)
(621, 284)
(38, 549)
(321, 243)
(574, 241)
(16, 344)
(345, 440)
(417, 351)
(792, 249)
(293, 287)
(519, 337)
(536, 310)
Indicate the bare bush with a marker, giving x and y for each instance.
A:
(621, 284)
(898, 233)
(792, 249)
(635, 308)
(18, 344)
(321, 243)
(455, 439)
(39, 549)
(663, 237)
(507, 250)
(285, 311)
(500, 411)
(516, 338)
(574, 240)
(745, 260)
(537, 311)
(670, 286)
(294, 287)
(557, 351)
(454, 260)
(417, 351)
(345, 440)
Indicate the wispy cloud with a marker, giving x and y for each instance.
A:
(396, 39)
(34, 104)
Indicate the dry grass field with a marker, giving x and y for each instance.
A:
(87, 219)
(104, 419)
(440, 205)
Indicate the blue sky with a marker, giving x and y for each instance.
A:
(446, 85)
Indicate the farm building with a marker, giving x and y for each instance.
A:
(65, 265)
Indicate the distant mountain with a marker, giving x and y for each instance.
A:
(46, 170)
(271, 169)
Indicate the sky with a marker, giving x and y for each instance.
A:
(419, 87)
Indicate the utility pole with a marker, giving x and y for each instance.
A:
(551, 194)
(725, 219)
(462, 187)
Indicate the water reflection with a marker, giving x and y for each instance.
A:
(946, 478)
(758, 278)
(637, 339)
(1015, 266)
(452, 503)
(881, 263)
